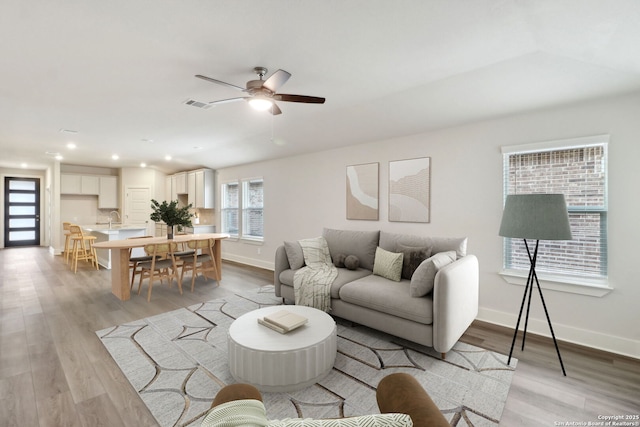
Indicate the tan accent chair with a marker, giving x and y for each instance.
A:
(83, 249)
(162, 265)
(200, 261)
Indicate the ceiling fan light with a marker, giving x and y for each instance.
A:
(260, 103)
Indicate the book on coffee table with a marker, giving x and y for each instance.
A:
(283, 321)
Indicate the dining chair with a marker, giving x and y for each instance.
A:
(82, 248)
(134, 261)
(162, 265)
(201, 261)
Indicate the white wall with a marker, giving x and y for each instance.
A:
(303, 194)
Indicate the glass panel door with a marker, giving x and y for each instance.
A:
(21, 211)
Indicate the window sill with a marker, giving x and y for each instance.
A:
(574, 285)
(252, 240)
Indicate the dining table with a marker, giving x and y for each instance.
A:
(120, 279)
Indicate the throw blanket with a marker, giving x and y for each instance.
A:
(312, 284)
(251, 413)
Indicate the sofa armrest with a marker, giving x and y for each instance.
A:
(281, 263)
(455, 301)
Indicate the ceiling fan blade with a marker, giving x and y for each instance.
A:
(276, 80)
(299, 98)
(275, 110)
(209, 79)
(226, 101)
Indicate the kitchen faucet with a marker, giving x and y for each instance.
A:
(115, 212)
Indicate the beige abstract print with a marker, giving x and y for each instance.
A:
(362, 192)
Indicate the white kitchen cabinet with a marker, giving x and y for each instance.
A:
(181, 183)
(70, 184)
(174, 188)
(191, 189)
(79, 184)
(108, 195)
(167, 189)
(90, 184)
(204, 188)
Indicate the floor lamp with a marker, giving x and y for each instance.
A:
(537, 217)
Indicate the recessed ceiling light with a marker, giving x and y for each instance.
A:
(71, 146)
(143, 165)
(115, 157)
(59, 157)
(167, 157)
(24, 165)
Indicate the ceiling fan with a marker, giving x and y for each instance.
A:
(262, 94)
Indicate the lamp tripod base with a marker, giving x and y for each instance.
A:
(529, 290)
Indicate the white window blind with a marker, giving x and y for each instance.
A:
(229, 210)
(577, 169)
(252, 209)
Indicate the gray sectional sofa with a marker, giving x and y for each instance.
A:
(437, 319)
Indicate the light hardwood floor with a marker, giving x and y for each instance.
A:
(55, 372)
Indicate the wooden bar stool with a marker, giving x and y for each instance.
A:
(67, 240)
(83, 249)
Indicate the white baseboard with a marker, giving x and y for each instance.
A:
(597, 340)
(249, 261)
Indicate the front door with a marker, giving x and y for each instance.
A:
(21, 212)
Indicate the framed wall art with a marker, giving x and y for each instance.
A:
(362, 192)
(410, 190)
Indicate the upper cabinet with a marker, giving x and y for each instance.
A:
(197, 185)
(204, 189)
(181, 183)
(108, 195)
(105, 187)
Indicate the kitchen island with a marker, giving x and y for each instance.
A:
(106, 233)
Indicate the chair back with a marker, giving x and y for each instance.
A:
(76, 229)
(200, 244)
(66, 226)
(161, 249)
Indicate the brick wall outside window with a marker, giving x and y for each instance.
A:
(579, 174)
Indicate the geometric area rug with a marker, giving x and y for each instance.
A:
(177, 362)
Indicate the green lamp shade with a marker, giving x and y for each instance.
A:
(536, 216)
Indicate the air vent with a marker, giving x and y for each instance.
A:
(197, 104)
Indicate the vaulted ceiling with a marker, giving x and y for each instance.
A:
(113, 76)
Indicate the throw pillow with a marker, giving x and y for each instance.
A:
(388, 264)
(352, 262)
(338, 261)
(294, 255)
(424, 277)
(412, 258)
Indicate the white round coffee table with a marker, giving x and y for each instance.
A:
(272, 361)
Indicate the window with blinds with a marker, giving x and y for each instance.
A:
(579, 171)
(230, 205)
(252, 209)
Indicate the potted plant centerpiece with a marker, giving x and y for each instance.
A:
(171, 214)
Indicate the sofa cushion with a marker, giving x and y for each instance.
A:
(362, 244)
(344, 276)
(294, 254)
(424, 277)
(390, 241)
(412, 258)
(379, 294)
(388, 264)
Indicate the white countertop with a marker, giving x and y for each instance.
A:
(115, 228)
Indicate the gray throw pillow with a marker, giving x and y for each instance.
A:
(388, 264)
(424, 277)
(294, 255)
(412, 258)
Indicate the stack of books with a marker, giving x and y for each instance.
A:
(283, 321)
